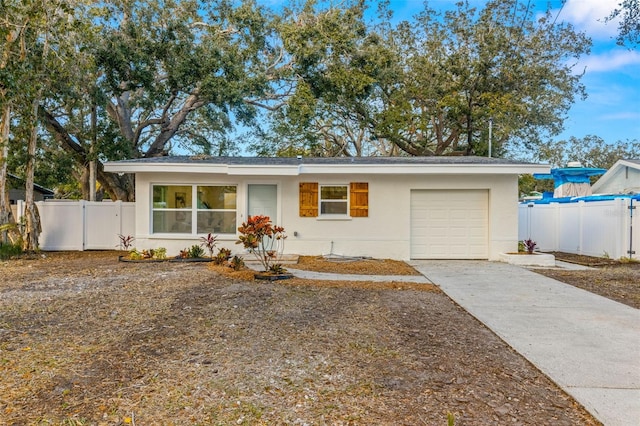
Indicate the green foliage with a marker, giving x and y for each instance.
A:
(521, 247)
(8, 250)
(196, 251)
(527, 185)
(277, 268)
(590, 151)
(628, 11)
(236, 263)
(134, 254)
(223, 255)
(138, 79)
(159, 253)
(429, 86)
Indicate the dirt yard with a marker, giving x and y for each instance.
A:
(85, 339)
(619, 281)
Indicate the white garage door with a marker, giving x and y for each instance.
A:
(449, 224)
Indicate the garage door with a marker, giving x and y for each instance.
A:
(449, 224)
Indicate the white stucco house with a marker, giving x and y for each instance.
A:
(622, 178)
(398, 208)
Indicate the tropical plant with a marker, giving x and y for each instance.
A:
(277, 268)
(195, 251)
(160, 253)
(223, 255)
(236, 263)
(209, 242)
(529, 245)
(126, 241)
(263, 239)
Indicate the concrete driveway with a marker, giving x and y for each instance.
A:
(587, 344)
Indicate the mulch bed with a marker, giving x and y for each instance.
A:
(613, 279)
(85, 339)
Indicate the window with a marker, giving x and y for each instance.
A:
(333, 199)
(174, 209)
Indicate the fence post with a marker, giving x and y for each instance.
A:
(83, 215)
(19, 210)
(117, 205)
(581, 230)
(556, 226)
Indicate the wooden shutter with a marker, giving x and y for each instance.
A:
(359, 199)
(308, 199)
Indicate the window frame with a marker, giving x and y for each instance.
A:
(346, 201)
(193, 211)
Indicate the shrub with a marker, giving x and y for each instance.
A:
(7, 251)
(277, 268)
(196, 251)
(236, 263)
(263, 239)
(223, 255)
(160, 253)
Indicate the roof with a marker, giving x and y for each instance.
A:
(614, 171)
(293, 166)
(41, 189)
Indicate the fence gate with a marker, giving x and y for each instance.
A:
(83, 225)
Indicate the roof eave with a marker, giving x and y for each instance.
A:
(605, 178)
(332, 169)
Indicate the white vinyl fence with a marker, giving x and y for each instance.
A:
(596, 228)
(83, 225)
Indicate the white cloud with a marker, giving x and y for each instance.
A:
(622, 116)
(589, 16)
(609, 61)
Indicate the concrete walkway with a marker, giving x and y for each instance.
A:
(587, 344)
(355, 277)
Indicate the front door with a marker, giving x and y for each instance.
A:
(263, 200)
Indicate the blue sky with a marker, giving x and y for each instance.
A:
(612, 72)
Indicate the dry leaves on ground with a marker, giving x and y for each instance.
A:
(85, 339)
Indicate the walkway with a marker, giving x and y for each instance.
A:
(587, 344)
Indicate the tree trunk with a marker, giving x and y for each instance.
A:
(92, 155)
(11, 234)
(32, 224)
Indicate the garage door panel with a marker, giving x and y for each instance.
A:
(449, 224)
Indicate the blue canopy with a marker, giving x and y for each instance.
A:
(570, 175)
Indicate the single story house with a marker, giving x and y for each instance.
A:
(622, 178)
(18, 192)
(383, 207)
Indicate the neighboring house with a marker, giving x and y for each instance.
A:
(622, 178)
(399, 207)
(17, 190)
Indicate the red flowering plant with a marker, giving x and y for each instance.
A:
(263, 239)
